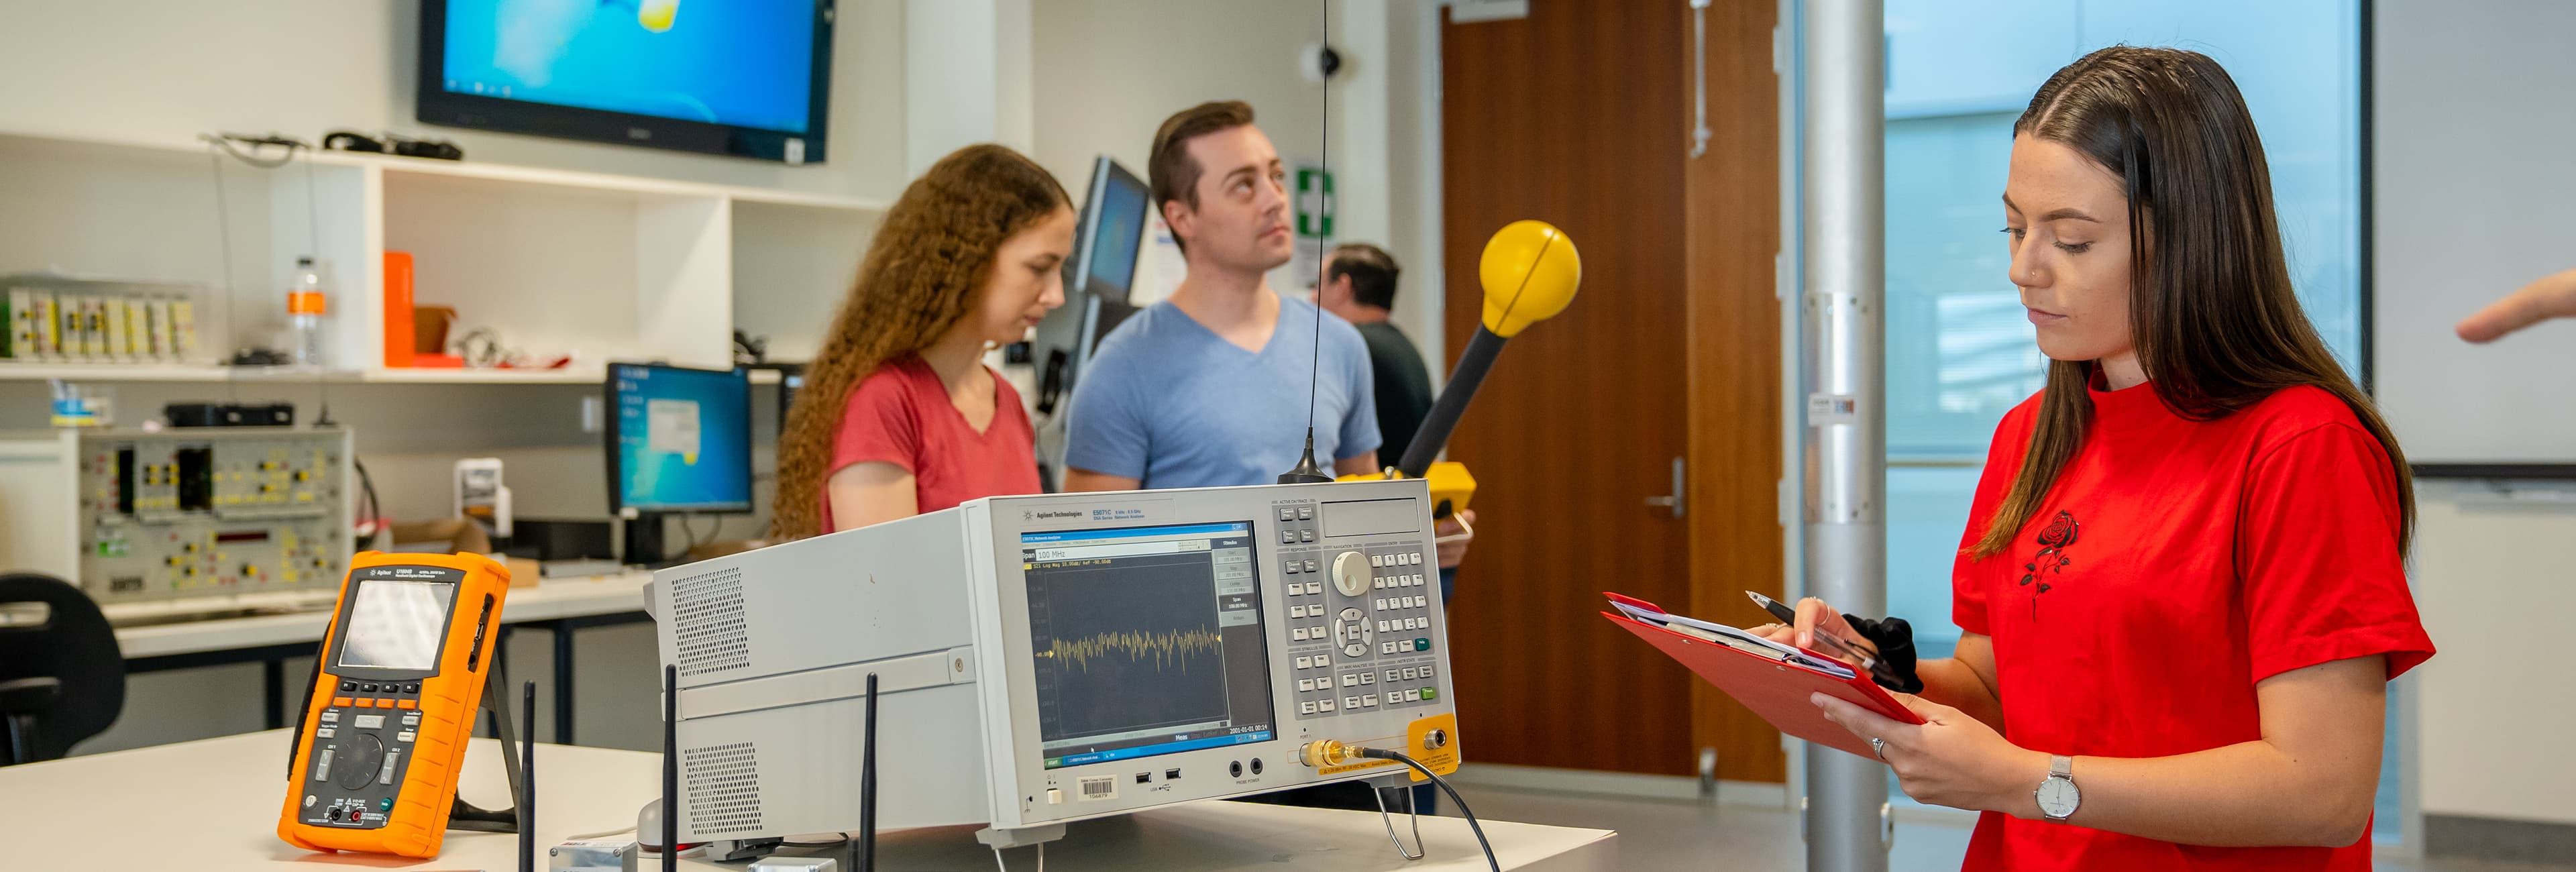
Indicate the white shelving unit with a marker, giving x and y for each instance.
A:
(597, 266)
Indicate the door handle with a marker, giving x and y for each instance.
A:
(1674, 501)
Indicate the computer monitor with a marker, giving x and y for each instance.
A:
(679, 442)
(1109, 237)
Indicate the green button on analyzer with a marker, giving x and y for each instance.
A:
(385, 804)
(1422, 644)
(1429, 693)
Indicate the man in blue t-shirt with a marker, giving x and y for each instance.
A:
(1209, 388)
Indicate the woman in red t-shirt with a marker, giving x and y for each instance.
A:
(899, 414)
(2181, 588)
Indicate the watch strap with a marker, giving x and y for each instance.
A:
(2061, 766)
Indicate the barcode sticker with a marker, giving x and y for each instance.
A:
(1099, 788)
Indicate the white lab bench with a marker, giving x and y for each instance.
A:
(214, 805)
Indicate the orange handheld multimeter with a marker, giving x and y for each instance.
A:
(394, 700)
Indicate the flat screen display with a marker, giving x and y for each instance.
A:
(396, 625)
(681, 440)
(606, 69)
(1147, 641)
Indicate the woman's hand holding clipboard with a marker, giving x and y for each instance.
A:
(1776, 680)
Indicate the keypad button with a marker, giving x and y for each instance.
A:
(1306, 708)
(1368, 678)
(411, 688)
(1351, 680)
(1350, 702)
(1413, 695)
(1305, 685)
(1287, 514)
(1324, 705)
(1305, 535)
(1297, 634)
(1355, 650)
(1287, 537)
(1293, 566)
(1305, 513)
(1303, 662)
(1377, 561)
(1426, 670)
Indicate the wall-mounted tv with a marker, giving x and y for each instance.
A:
(735, 77)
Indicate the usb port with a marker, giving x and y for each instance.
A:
(1144, 778)
(1171, 775)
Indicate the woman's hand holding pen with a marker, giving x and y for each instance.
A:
(1814, 616)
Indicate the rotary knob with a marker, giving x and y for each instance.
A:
(1351, 573)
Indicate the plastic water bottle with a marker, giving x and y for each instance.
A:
(307, 303)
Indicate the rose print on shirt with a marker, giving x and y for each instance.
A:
(2051, 559)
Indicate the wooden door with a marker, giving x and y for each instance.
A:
(1579, 115)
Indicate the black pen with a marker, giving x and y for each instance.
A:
(1789, 616)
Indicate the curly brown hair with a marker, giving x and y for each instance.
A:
(930, 257)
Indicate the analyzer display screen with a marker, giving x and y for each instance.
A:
(1147, 641)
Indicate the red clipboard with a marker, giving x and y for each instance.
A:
(1775, 690)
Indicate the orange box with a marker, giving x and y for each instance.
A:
(399, 345)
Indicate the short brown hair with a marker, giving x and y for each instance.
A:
(1171, 172)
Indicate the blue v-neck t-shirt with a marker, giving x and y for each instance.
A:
(1168, 402)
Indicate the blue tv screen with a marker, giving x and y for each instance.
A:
(746, 77)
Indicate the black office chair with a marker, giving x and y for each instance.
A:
(62, 680)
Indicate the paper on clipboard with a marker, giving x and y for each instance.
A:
(1735, 638)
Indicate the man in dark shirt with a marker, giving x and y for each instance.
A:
(1359, 286)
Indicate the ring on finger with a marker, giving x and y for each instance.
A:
(1878, 746)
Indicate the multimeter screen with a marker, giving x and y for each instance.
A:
(396, 625)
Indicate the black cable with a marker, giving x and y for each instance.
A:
(375, 510)
(1470, 815)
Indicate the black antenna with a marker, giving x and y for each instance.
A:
(1306, 472)
(528, 774)
(867, 859)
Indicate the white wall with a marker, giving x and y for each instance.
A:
(166, 70)
(2469, 206)
(1108, 72)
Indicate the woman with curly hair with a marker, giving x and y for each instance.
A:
(899, 415)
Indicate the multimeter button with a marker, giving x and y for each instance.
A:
(347, 686)
(340, 701)
(365, 702)
(404, 736)
(413, 687)
(385, 804)
(391, 757)
(407, 703)
(322, 765)
(369, 688)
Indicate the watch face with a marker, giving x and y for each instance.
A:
(2057, 797)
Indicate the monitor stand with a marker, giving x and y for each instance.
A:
(644, 545)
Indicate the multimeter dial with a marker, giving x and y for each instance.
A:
(356, 764)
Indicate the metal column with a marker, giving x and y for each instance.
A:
(1844, 175)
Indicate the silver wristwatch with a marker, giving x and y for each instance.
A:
(2057, 796)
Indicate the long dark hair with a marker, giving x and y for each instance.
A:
(920, 275)
(2215, 321)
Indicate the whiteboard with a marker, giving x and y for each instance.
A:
(2474, 195)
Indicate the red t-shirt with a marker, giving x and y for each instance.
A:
(901, 414)
(2175, 564)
